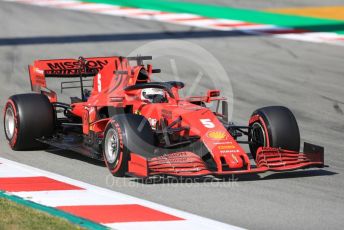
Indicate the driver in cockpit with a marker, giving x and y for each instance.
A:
(153, 95)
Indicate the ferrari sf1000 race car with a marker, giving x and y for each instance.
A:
(143, 127)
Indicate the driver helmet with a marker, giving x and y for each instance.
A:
(150, 94)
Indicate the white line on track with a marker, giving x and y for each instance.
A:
(93, 195)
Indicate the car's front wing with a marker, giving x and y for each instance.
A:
(190, 164)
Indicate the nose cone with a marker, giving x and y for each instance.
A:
(226, 152)
(234, 160)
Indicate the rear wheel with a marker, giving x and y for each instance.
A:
(273, 126)
(28, 117)
(125, 134)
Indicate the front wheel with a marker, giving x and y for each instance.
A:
(125, 134)
(273, 126)
(115, 156)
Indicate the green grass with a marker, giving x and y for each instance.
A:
(15, 216)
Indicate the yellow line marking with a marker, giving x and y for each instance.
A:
(329, 12)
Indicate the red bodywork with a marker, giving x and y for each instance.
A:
(109, 82)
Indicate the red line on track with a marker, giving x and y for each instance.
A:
(118, 213)
(286, 31)
(233, 25)
(102, 9)
(149, 13)
(71, 4)
(122, 9)
(189, 19)
(127, 8)
(39, 183)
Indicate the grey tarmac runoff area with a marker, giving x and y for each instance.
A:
(306, 77)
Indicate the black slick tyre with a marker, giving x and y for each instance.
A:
(273, 126)
(28, 117)
(125, 134)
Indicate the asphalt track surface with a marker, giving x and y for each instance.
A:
(306, 77)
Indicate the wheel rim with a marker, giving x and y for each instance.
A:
(111, 146)
(258, 136)
(10, 123)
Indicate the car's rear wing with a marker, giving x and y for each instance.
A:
(82, 67)
(102, 67)
(68, 68)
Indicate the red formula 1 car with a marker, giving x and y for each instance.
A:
(142, 127)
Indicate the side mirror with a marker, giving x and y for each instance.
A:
(213, 93)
